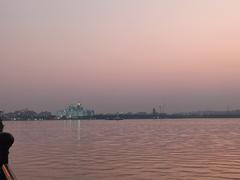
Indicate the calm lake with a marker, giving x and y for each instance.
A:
(129, 149)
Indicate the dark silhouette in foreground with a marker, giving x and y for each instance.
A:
(6, 141)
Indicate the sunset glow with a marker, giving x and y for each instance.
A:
(126, 55)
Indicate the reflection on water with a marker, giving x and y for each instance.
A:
(129, 149)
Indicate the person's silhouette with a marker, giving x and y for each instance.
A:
(6, 141)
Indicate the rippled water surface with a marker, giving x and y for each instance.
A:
(128, 149)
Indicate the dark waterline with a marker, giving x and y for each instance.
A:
(129, 149)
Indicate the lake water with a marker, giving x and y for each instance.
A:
(129, 149)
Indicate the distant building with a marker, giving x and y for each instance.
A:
(23, 114)
(45, 115)
(74, 111)
(141, 113)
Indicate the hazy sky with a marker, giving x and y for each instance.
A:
(120, 55)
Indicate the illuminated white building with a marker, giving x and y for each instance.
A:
(74, 111)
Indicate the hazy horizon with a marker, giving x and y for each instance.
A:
(123, 55)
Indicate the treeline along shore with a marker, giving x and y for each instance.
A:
(32, 115)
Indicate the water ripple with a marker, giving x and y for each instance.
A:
(150, 149)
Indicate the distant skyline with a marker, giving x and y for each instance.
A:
(121, 55)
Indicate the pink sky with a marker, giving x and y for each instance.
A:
(123, 55)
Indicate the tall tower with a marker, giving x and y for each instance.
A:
(1, 113)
